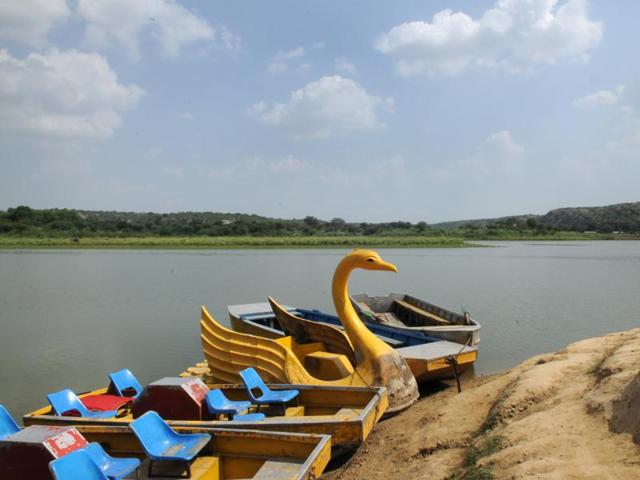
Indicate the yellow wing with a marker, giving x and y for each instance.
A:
(227, 352)
(306, 331)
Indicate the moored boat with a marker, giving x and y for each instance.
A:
(429, 358)
(405, 312)
(224, 453)
(348, 414)
(363, 359)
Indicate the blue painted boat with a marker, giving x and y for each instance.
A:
(428, 357)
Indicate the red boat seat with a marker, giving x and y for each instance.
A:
(105, 402)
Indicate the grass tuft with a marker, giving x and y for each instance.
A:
(478, 473)
(483, 449)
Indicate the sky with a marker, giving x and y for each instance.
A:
(367, 111)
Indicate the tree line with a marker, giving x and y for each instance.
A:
(26, 221)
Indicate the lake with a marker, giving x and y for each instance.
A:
(69, 317)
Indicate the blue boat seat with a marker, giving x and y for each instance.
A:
(76, 465)
(218, 403)
(65, 402)
(249, 417)
(113, 468)
(162, 444)
(253, 383)
(8, 425)
(125, 383)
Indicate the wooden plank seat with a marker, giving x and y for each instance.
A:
(418, 311)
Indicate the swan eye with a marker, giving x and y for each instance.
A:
(370, 260)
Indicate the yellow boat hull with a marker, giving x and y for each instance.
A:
(347, 414)
(232, 454)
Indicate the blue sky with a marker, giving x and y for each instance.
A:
(369, 111)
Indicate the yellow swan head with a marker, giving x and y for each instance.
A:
(368, 260)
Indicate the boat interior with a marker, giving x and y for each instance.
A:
(403, 310)
(182, 399)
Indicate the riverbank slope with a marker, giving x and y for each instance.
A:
(573, 414)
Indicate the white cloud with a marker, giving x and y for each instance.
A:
(186, 115)
(258, 167)
(280, 62)
(291, 54)
(601, 98)
(343, 65)
(66, 94)
(622, 106)
(29, 21)
(513, 34)
(288, 164)
(499, 154)
(323, 107)
(276, 68)
(168, 23)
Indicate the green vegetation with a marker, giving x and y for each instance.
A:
(26, 227)
(487, 447)
(229, 242)
(480, 450)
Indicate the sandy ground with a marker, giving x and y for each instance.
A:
(573, 414)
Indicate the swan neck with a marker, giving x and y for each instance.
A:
(361, 337)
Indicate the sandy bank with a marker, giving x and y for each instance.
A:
(573, 414)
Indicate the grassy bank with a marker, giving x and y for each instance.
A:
(233, 242)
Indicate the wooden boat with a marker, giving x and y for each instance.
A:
(368, 361)
(348, 414)
(230, 454)
(398, 310)
(429, 358)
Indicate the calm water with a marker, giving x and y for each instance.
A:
(70, 317)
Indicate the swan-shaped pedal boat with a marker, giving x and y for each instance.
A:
(322, 361)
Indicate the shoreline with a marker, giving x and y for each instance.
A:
(569, 414)
(187, 243)
(233, 242)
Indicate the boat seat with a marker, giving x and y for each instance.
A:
(104, 403)
(162, 444)
(112, 467)
(67, 403)
(8, 425)
(253, 383)
(328, 366)
(125, 383)
(218, 404)
(421, 313)
(75, 465)
(277, 469)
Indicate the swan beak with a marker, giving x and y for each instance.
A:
(390, 267)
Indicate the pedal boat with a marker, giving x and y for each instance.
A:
(361, 358)
(428, 357)
(348, 414)
(230, 454)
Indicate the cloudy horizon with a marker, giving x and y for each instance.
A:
(416, 111)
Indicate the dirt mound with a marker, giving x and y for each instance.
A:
(573, 414)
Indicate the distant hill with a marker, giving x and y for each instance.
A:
(620, 217)
(624, 217)
(25, 221)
